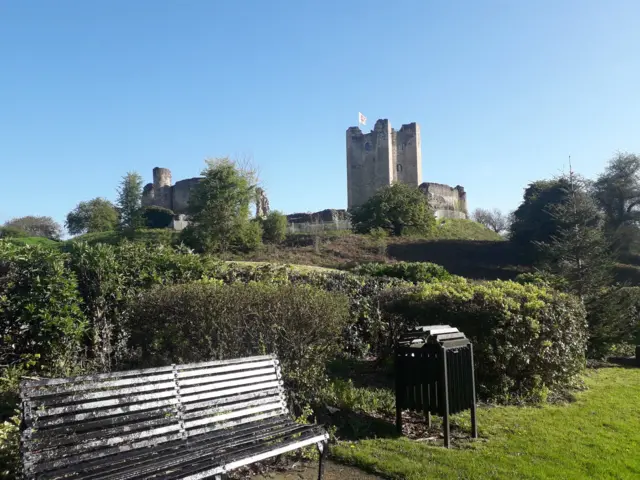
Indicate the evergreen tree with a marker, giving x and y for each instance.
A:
(129, 201)
(578, 251)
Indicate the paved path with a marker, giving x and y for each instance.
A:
(332, 471)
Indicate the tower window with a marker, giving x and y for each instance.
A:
(398, 167)
(367, 147)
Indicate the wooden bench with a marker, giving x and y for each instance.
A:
(178, 422)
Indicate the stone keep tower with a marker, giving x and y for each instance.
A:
(381, 157)
(162, 187)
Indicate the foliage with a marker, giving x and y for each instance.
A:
(493, 219)
(399, 209)
(10, 448)
(533, 220)
(617, 191)
(129, 201)
(594, 437)
(344, 394)
(411, 271)
(614, 320)
(41, 323)
(274, 227)
(207, 320)
(97, 215)
(154, 237)
(13, 232)
(250, 236)
(219, 207)
(578, 250)
(45, 227)
(157, 217)
(527, 339)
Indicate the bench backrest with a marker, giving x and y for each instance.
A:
(70, 421)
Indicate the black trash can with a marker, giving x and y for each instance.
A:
(435, 375)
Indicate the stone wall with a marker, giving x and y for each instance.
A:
(447, 202)
(180, 194)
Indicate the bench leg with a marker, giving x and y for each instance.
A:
(323, 449)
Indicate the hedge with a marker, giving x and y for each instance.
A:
(527, 339)
(209, 320)
(410, 271)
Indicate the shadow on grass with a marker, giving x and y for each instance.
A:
(628, 362)
(352, 425)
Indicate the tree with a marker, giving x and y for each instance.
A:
(578, 251)
(493, 219)
(129, 201)
(37, 226)
(617, 191)
(97, 215)
(533, 220)
(398, 208)
(219, 207)
(274, 227)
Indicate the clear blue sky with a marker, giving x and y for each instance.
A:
(504, 91)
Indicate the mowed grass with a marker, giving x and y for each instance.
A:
(595, 437)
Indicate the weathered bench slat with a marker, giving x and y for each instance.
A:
(169, 450)
(182, 421)
(105, 413)
(185, 373)
(195, 405)
(231, 391)
(206, 447)
(72, 388)
(104, 392)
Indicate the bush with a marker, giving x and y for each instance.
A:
(274, 227)
(12, 232)
(527, 339)
(157, 217)
(41, 323)
(411, 271)
(250, 236)
(208, 320)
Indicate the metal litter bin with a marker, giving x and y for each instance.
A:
(434, 375)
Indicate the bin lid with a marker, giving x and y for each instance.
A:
(417, 337)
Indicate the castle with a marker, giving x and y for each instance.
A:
(161, 193)
(385, 156)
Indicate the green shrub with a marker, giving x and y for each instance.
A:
(10, 448)
(274, 227)
(527, 339)
(250, 237)
(13, 232)
(208, 320)
(41, 323)
(411, 271)
(157, 217)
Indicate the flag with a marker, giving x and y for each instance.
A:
(362, 119)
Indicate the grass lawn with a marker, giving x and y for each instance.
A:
(595, 437)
